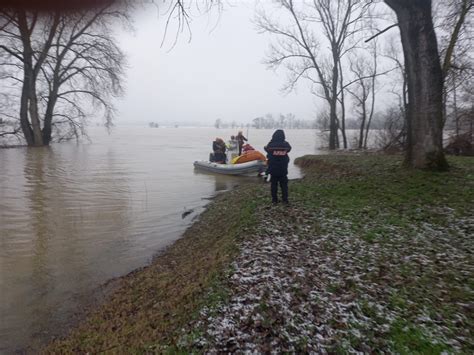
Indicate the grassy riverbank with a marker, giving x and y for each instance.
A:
(368, 257)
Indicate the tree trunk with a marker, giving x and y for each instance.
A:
(372, 91)
(34, 115)
(48, 118)
(333, 126)
(455, 105)
(29, 116)
(425, 84)
(363, 104)
(24, 122)
(371, 114)
(343, 108)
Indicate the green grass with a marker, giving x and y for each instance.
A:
(375, 188)
(387, 205)
(406, 338)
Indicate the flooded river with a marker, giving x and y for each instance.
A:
(73, 216)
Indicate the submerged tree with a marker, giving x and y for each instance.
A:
(64, 66)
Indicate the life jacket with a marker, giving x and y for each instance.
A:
(246, 148)
(250, 155)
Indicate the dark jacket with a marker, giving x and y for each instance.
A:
(278, 150)
(240, 139)
(218, 147)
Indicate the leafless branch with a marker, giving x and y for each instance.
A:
(379, 33)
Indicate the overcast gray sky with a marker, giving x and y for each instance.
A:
(219, 74)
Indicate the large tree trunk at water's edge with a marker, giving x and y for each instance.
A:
(29, 116)
(425, 84)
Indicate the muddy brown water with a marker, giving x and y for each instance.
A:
(74, 216)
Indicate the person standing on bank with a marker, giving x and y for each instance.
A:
(240, 139)
(278, 159)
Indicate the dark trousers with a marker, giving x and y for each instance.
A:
(283, 181)
(219, 158)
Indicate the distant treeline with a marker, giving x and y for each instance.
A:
(270, 122)
(289, 121)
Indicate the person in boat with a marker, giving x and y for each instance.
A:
(240, 139)
(278, 159)
(232, 144)
(247, 148)
(232, 148)
(219, 148)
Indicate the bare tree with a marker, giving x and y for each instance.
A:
(455, 33)
(63, 64)
(425, 84)
(455, 37)
(398, 86)
(342, 102)
(300, 50)
(393, 135)
(363, 92)
(456, 23)
(29, 51)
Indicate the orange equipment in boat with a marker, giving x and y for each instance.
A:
(249, 155)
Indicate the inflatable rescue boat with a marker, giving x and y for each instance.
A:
(250, 162)
(248, 168)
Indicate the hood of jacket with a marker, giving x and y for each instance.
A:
(278, 136)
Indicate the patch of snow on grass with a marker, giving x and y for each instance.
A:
(297, 291)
